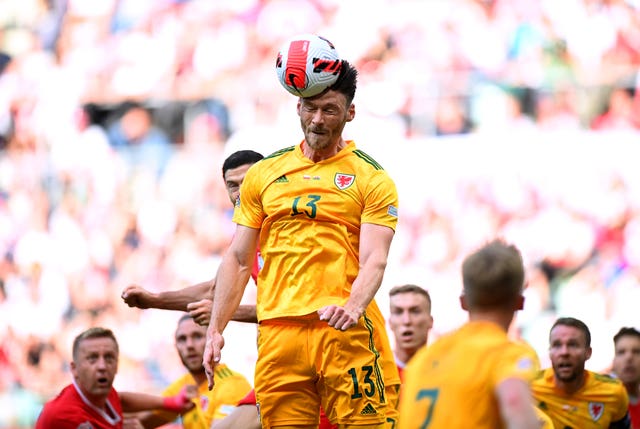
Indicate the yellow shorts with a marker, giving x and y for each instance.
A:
(303, 363)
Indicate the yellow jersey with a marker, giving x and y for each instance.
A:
(601, 401)
(230, 387)
(310, 215)
(451, 384)
(544, 419)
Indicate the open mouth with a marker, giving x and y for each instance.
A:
(406, 335)
(103, 381)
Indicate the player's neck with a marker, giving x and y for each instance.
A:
(403, 354)
(633, 389)
(199, 377)
(317, 155)
(99, 403)
(571, 387)
(500, 318)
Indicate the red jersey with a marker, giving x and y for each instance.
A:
(258, 262)
(250, 399)
(634, 413)
(400, 366)
(71, 410)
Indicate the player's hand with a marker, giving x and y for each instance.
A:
(136, 296)
(339, 317)
(212, 352)
(182, 401)
(200, 311)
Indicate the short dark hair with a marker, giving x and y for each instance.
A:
(409, 288)
(185, 316)
(96, 332)
(347, 81)
(574, 323)
(493, 275)
(241, 157)
(625, 332)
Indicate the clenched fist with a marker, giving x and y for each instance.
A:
(137, 296)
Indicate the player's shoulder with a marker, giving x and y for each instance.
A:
(365, 161)
(277, 156)
(271, 165)
(523, 348)
(177, 384)
(605, 381)
(223, 371)
(59, 411)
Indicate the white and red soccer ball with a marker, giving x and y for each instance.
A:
(307, 65)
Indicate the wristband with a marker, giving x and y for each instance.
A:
(178, 403)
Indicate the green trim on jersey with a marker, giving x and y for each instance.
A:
(368, 159)
(280, 152)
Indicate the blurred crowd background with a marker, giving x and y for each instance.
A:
(515, 118)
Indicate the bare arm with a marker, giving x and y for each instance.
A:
(180, 403)
(231, 280)
(195, 299)
(516, 404)
(375, 241)
(243, 416)
(150, 420)
(245, 313)
(137, 296)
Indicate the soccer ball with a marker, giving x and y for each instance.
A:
(307, 65)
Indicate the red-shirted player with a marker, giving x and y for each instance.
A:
(90, 401)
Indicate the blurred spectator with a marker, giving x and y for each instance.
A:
(451, 118)
(621, 112)
(142, 144)
(555, 111)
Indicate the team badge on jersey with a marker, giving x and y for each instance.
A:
(343, 181)
(596, 409)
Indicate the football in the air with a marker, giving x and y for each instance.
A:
(307, 65)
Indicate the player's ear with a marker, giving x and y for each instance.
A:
(463, 302)
(298, 105)
(520, 302)
(351, 112)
